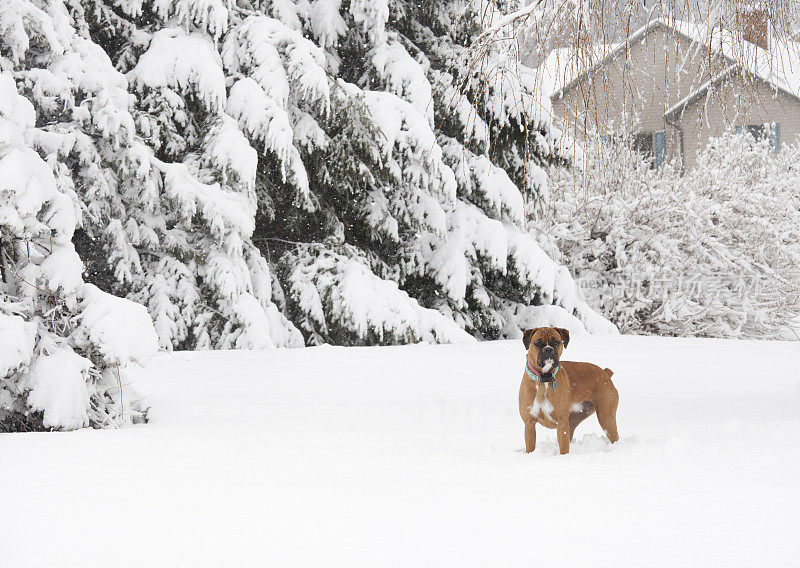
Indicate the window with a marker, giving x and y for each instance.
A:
(768, 130)
(643, 143)
(651, 145)
(757, 131)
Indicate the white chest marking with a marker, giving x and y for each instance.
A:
(541, 404)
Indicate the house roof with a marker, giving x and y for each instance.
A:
(778, 67)
(607, 53)
(696, 94)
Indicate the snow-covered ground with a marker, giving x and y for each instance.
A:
(412, 456)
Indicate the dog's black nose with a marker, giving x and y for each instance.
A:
(548, 349)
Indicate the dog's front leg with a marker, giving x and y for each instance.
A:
(563, 434)
(530, 436)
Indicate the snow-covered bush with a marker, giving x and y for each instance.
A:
(64, 344)
(714, 253)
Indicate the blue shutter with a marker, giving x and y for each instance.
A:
(659, 146)
(775, 139)
(737, 129)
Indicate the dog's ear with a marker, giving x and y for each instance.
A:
(564, 335)
(526, 337)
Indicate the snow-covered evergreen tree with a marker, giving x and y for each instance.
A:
(64, 343)
(461, 245)
(191, 131)
(164, 177)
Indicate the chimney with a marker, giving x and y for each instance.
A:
(755, 25)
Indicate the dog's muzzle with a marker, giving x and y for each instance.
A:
(548, 359)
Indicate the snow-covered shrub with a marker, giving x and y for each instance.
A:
(64, 344)
(713, 253)
(750, 198)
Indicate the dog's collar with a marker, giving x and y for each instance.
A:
(540, 377)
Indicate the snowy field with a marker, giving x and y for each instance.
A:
(412, 456)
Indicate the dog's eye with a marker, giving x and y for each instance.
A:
(555, 343)
(538, 343)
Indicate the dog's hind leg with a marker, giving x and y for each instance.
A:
(580, 413)
(605, 402)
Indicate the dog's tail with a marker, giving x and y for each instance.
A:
(609, 371)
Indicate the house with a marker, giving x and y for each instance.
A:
(672, 85)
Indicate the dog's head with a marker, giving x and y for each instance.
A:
(545, 345)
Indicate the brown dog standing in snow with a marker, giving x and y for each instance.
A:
(562, 394)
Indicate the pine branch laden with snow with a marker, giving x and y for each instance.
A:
(66, 344)
(335, 298)
(488, 99)
(276, 61)
(714, 253)
(491, 271)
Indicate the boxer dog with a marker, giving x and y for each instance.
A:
(562, 394)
